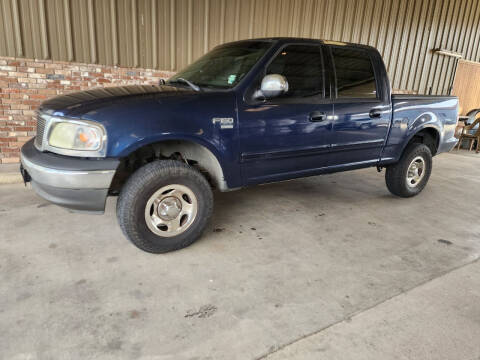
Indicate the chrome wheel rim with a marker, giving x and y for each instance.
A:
(416, 171)
(171, 210)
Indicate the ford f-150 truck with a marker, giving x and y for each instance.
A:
(247, 112)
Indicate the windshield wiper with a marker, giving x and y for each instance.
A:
(189, 83)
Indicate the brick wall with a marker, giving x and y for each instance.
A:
(25, 83)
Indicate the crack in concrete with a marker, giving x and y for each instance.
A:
(358, 312)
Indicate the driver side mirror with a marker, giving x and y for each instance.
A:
(273, 85)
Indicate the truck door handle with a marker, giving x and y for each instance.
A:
(375, 113)
(317, 116)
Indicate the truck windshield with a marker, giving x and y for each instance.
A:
(224, 66)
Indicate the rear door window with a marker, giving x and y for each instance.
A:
(354, 73)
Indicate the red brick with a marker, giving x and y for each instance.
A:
(38, 96)
(10, 150)
(38, 86)
(48, 92)
(16, 63)
(9, 101)
(18, 96)
(25, 69)
(44, 71)
(16, 74)
(31, 102)
(19, 107)
(35, 64)
(16, 144)
(18, 85)
(11, 91)
(12, 112)
(36, 75)
(18, 133)
(53, 66)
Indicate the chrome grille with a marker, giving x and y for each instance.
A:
(40, 130)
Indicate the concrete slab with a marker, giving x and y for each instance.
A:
(465, 152)
(439, 320)
(278, 262)
(9, 174)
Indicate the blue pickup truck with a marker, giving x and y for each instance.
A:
(246, 113)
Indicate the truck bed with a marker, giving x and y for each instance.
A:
(413, 112)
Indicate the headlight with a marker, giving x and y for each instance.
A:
(75, 136)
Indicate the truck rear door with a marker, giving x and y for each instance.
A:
(361, 106)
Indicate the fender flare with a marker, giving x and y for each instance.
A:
(193, 148)
(418, 129)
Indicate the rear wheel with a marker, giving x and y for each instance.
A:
(410, 175)
(164, 206)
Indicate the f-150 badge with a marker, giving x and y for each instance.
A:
(225, 123)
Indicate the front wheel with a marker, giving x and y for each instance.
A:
(164, 206)
(410, 175)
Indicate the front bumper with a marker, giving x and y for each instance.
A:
(75, 183)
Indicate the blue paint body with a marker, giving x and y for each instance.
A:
(269, 141)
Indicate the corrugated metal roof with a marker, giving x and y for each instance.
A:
(168, 34)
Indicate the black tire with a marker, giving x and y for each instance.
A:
(396, 175)
(142, 185)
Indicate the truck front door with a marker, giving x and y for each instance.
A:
(287, 136)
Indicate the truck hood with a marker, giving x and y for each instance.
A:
(79, 103)
(134, 116)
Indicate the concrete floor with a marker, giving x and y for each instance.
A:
(329, 267)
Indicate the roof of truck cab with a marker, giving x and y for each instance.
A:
(306, 40)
